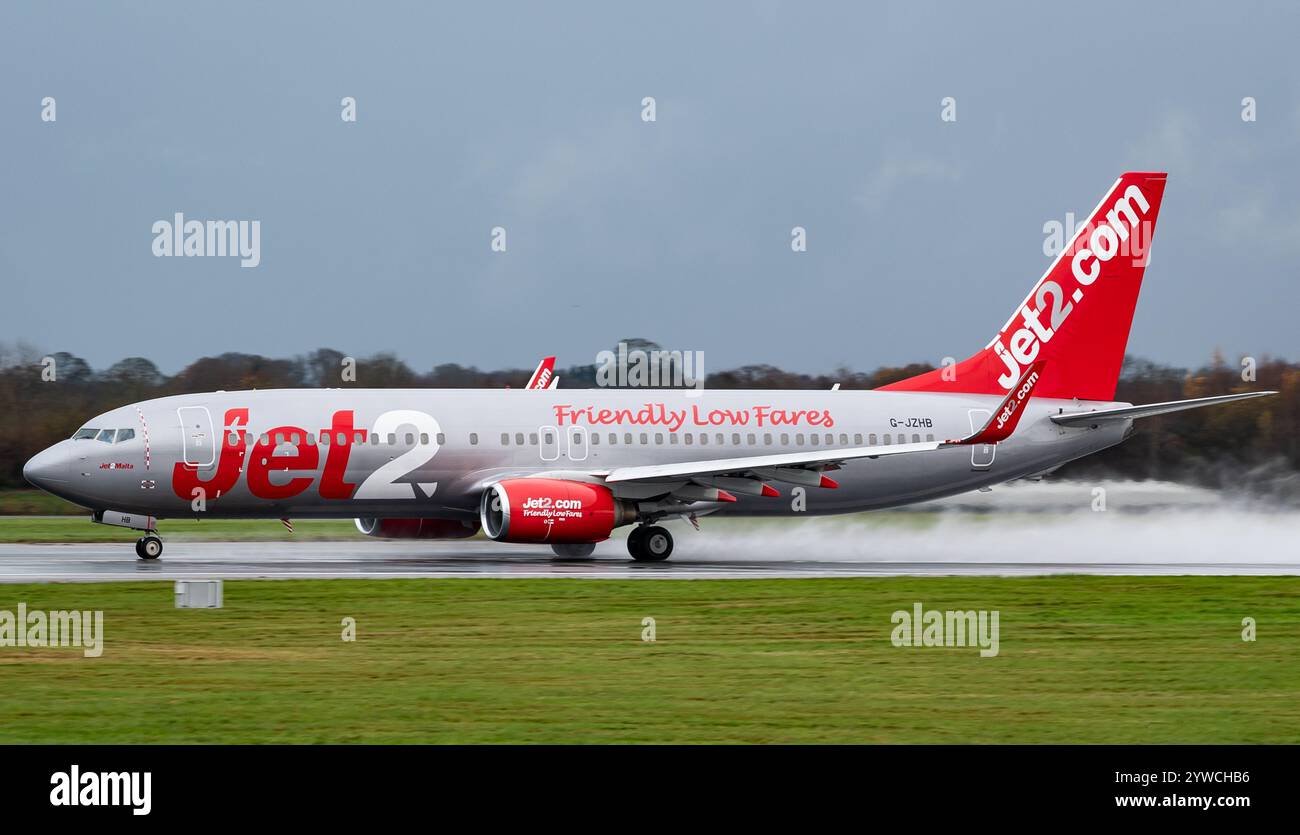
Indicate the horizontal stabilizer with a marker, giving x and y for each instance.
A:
(1130, 412)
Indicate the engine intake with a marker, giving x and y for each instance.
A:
(417, 528)
(551, 510)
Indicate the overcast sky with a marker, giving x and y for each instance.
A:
(375, 235)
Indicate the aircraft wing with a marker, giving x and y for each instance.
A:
(1129, 412)
(722, 466)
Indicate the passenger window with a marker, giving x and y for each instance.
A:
(505, 439)
(857, 439)
(704, 439)
(871, 439)
(548, 437)
(595, 439)
(392, 439)
(293, 438)
(360, 437)
(659, 439)
(519, 438)
(814, 439)
(830, 439)
(785, 439)
(613, 439)
(233, 436)
(311, 439)
(532, 438)
(644, 439)
(929, 437)
(916, 439)
(689, 438)
(424, 438)
(720, 439)
(672, 439)
(902, 439)
(627, 437)
(752, 440)
(798, 439)
(735, 439)
(885, 439)
(374, 438)
(264, 441)
(442, 438)
(767, 439)
(473, 439)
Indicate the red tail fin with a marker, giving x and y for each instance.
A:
(542, 377)
(1078, 315)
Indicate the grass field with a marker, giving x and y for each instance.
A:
(36, 503)
(1083, 659)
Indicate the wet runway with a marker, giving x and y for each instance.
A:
(375, 560)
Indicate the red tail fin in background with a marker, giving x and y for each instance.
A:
(543, 377)
(1078, 315)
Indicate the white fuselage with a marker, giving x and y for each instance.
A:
(431, 452)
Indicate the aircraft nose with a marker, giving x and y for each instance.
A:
(48, 467)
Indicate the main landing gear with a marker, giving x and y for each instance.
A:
(148, 547)
(650, 543)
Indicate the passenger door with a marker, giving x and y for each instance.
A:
(198, 443)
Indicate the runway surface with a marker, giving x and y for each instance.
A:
(1145, 529)
(377, 560)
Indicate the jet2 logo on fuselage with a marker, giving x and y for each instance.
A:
(268, 457)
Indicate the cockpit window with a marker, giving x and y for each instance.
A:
(125, 435)
(105, 435)
(85, 434)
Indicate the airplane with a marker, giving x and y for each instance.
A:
(564, 468)
(544, 377)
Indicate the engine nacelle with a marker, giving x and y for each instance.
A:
(417, 528)
(551, 510)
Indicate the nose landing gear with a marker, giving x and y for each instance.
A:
(650, 543)
(148, 547)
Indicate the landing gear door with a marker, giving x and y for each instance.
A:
(981, 455)
(198, 442)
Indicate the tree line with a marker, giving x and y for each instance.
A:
(1255, 444)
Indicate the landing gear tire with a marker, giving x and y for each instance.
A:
(572, 550)
(650, 544)
(148, 547)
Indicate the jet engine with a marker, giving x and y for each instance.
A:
(417, 528)
(551, 510)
